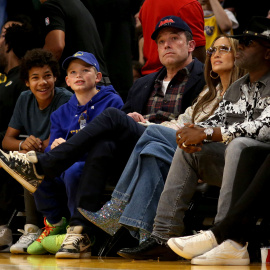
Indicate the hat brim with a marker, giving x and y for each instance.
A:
(66, 62)
(250, 35)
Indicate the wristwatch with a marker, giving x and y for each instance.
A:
(209, 133)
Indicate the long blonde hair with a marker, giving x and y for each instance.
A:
(211, 83)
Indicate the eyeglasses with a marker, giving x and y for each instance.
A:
(222, 49)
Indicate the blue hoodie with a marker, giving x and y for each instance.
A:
(70, 118)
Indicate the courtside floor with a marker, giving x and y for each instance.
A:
(10, 261)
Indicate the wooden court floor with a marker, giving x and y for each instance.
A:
(10, 261)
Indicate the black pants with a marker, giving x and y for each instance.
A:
(250, 196)
(10, 196)
(108, 141)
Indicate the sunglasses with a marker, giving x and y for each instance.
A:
(246, 41)
(222, 49)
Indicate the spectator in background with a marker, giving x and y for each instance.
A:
(217, 20)
(153, 10)
(114, 20)
(244, 10)
(139, 38)
(16, 38)
(3, 12)
(69, 27)
(137, 70)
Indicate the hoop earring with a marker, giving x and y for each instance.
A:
(213, 76)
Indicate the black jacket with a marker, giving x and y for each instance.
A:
(141, 90)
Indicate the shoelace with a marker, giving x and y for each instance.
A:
(72, 239)
(19, 156)
(26, 237)
(47, 229)
(206, 236)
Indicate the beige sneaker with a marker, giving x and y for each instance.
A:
(76, 245)
(22, 168)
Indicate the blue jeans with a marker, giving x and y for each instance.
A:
(142, 181)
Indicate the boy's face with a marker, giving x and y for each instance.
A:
(82, 76)
(41, 82)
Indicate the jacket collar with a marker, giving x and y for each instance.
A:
(234, 92)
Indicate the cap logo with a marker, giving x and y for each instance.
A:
(78, 54)
(47, 21)
(166, 21)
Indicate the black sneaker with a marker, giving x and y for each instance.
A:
(21, 167)
(150, 249)
(76, 245)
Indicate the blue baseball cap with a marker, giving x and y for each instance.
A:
(170, 21)
(88, 58)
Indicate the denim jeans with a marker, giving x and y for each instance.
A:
(181, 184)
(142, 181)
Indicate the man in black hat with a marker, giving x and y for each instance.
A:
(242, 116)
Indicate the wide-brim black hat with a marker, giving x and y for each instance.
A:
(258, 27)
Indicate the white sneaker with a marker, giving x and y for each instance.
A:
(227, 253)
(5, 238)
(30, 234)
(194, 245)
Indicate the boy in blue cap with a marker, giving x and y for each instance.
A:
(88, 101)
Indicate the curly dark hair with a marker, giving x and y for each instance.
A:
(38, 58)
(19, 38)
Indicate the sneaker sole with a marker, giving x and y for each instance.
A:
(148, 257)
(19, 178)
(220, 261)
(67, 255)
(175, 247)
(17, 251)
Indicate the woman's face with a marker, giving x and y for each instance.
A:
(222, 61)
